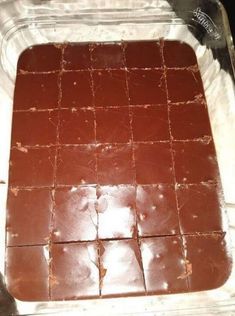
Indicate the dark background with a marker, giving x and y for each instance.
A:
(230, 8)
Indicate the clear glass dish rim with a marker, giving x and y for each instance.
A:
(169, 17)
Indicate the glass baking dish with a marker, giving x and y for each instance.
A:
(201, 24)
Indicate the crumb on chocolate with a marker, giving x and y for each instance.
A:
(188, 272)
(23, 72)
(15, 191)
(21, 148)
(53, 281)
(103, 272)
(206, 139)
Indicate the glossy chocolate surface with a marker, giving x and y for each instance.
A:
(121, 268)
(75, 89)
(76, 165)
(196, 202)
(114, 186)
(27, 130)
(113, 125)
(209, 258)
(146, 86)
(44, 91)
(116, 212)
(75, 216)
(156, 210)
(27, 268)
(164, 265)
(83, 123)
(32, 167)
(195, 161)
(74, 271)
(150, 123)
(28, 218)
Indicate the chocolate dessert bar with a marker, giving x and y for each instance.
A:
(114, 186)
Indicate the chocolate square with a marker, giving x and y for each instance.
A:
(178, 54)
(156, 210)
(150, 123)
(164, 265)
(146, 87)
(153, 163)
(75, 217)
(76, 89)
(40, 58)
(27, 273)
(184, 85)
(77, 57)
(75, 272)
(189, 121)
(32, 167)
(114, 164)
(121, 268)
(195, 162)
(76, 165)
(107, 55)
(113, 125)
(110, 88)
(209, 259)
(145, 54)
(200, 208)
(115, 207)
(77, 126)
(44, 91)
(28, 217)
(34, 128)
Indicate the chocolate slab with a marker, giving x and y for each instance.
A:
(114, 164)
(29, 216)
(77, 126)
(76, 165)
(27, 130)
(209, 259)
(43, 89)
(156, 210)
(114, 186)
(184, 85)
(76, 89)
(32, 167)
(182, 57)
(164, 265)
(40, 58)
(150, 123)
(107, 55)
(116, 211)
(113, 82)
(189, 121)
(27, 273)
(195, 162)
(148, 159)
(200, 208)
(75, 217)
(146, 87)
(77, 57)
(148, 56)
(121, 268)
(113, 125)
(75, 272)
